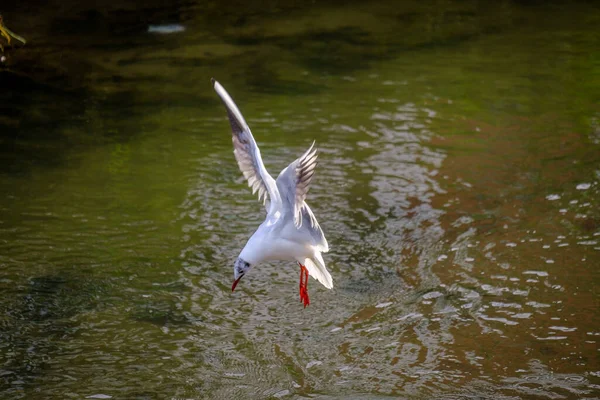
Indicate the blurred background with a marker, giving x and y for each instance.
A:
(458, 186)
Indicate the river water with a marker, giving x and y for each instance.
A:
(458, 187)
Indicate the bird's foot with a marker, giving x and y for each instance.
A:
(304, 285)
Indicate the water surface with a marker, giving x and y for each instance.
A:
(458, 186)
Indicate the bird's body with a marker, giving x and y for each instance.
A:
(277, 238)
(290, 230)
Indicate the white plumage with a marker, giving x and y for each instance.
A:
(290, 229)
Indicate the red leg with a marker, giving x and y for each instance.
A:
(301, 283)
(304, 285)
(306, 299)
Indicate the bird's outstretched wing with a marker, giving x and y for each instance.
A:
(294, 182)
(304, 171)
(247, 153)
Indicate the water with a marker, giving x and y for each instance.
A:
(458, 186)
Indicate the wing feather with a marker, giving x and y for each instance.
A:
(304, 172)
(293, 183)
(247, 153)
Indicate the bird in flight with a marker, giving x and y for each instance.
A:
(290, 229)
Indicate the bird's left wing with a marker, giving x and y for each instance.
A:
(247, 153)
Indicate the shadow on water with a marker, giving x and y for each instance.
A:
(84, 66)
(58, 98)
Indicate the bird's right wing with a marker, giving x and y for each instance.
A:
(294, 182)
(247, 153)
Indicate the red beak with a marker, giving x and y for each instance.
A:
(235, 283)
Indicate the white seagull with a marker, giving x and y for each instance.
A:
(290, 230)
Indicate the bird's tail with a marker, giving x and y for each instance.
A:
(316, 269)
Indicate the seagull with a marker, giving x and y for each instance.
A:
(290, 229)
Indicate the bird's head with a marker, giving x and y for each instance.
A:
(240, 267)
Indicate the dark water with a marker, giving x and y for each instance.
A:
(458, 186)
